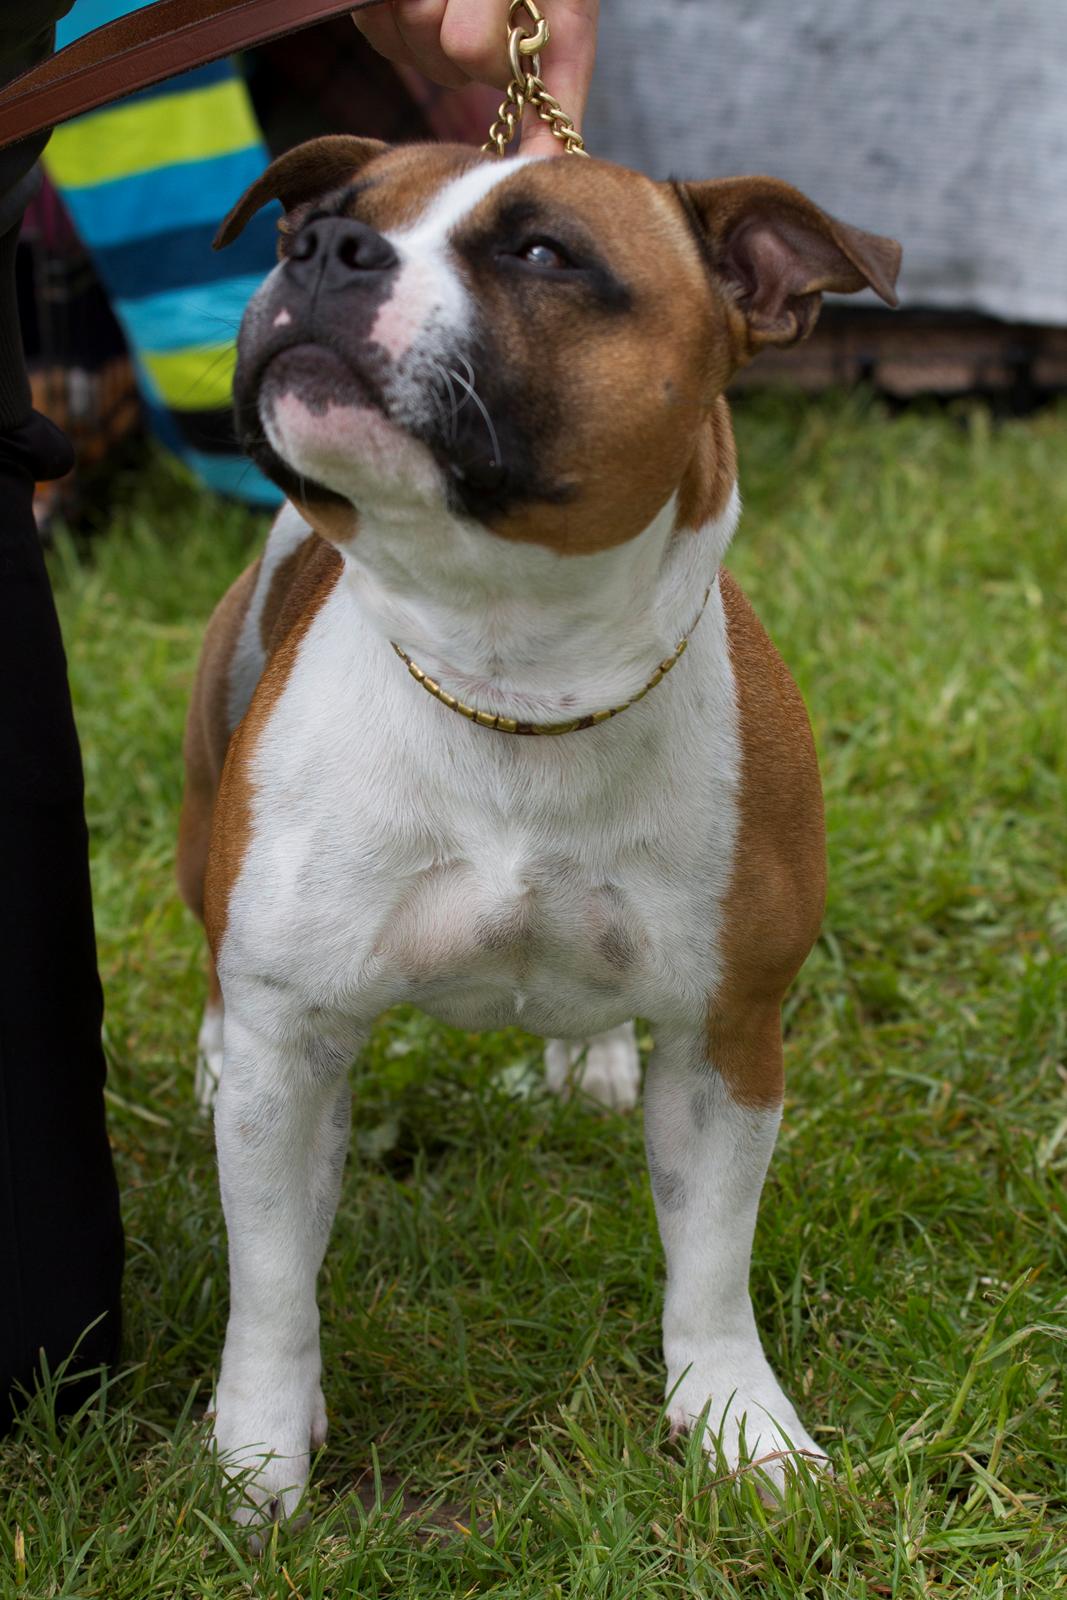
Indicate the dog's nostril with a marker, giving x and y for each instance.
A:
(363, 250)
(304, 246)
(353, 252)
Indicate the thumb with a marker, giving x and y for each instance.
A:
(567, 68)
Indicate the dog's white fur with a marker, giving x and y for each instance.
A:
(398, 853)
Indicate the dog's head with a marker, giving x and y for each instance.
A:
(535, 343)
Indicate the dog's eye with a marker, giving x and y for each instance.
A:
(542, 253)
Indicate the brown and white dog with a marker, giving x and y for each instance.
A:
(493, 392)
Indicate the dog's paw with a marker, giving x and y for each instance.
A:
(749, 1419)
(208, 1059)
(264, 1434)
(605, 1068)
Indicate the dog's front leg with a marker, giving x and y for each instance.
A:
(281, 1127)
(708, 1153)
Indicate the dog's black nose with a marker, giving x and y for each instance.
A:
(336, 252)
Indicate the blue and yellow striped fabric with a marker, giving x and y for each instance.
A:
(146, 182)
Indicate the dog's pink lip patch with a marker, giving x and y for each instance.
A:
(331, 440)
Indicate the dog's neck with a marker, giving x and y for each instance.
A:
(520, 630)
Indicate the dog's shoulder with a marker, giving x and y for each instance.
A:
(300, 583)
(781, 795)
(775, 728)
(778, 882)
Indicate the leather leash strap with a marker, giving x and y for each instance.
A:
(145, 47)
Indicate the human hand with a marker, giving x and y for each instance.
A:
(456, 42)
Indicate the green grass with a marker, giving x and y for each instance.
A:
(492, 1293)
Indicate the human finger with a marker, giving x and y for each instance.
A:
(567, 69)
(446, 40)
(378, 26)
(421, 24)
(474, 36)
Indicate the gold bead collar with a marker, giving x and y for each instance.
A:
(491, 719)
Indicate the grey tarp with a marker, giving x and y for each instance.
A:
(940, 122)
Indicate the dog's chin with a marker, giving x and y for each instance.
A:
(324, 425)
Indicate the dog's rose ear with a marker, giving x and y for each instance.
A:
(300, 174)
(774, 252)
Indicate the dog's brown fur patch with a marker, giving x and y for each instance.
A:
(774, 905)
(710, 477)
(336, 523)
(402, 183)
(207, 735)
(313, 569)
(618, 462)
(277, 595)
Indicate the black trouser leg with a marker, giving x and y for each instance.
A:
(61, 1248)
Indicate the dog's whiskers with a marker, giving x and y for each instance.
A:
(455, 405)
(448, 423)
(468, 385)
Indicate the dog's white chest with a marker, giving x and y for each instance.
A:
(526, 930)
(404, 856)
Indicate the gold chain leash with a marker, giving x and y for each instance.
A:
(527, 87)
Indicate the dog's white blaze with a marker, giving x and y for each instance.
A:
(427, 295)
(446, 209)
(427, 289)
(418, 293)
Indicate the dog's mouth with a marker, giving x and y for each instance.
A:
(291, 398)
(329, 422)
(316, 376)
(306, 407)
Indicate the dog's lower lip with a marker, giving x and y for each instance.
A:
(307, 354)
(315, 373)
